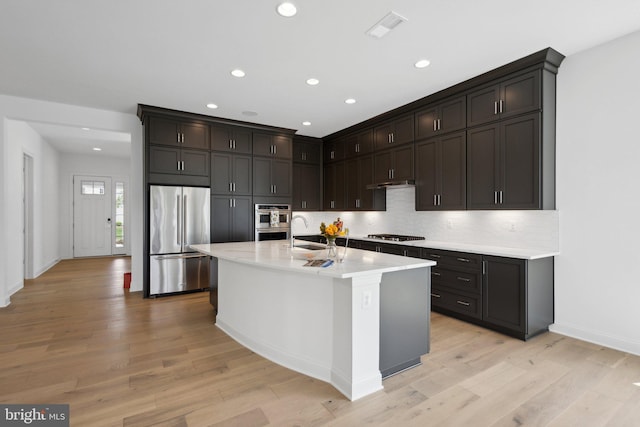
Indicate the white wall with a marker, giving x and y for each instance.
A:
(28, 110)
(76, 164)
(598, 153)
(25, 140)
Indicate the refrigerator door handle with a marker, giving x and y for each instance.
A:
(179, 226)
(184, 226)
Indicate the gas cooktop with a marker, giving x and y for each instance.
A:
(394, 237)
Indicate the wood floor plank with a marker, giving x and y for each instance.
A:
(76, 336)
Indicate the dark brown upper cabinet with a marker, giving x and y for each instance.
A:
(334, 150)
(398, 131)
(441, 173)
(307, 152)
(441, 118)
(359, 144)
(393, 165)
(269, 145)
(503, 165)
(233, 139)
(510, 97)
(163, 131)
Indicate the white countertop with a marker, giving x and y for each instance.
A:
(278, 255)
(519, 253)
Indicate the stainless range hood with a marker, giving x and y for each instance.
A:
(392, 184)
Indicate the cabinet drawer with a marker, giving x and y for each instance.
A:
(464, 260)
(461, 303)
(456, 280)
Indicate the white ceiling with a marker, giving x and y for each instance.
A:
(178, 54)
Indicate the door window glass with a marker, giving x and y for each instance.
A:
(93, 187)
(120, 235)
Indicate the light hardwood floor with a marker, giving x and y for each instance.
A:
(75, 336)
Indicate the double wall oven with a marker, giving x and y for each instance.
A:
(273, 221)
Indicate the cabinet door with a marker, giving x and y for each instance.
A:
(369, 199)
(483, 158)
(164, 131)
(382, 165)
(195, 135)
(221, 173)
(333, 150)
(164, 160)
(262, 144)
(403, 163)
(196, 163)
(504, 293)
(452, 172)
(221, 218)
(426, 122)
(403, 130)
(521, 163)
(426, 175)
(306, 187)
(306, 152)
(352, 184)
(283, 146)
(241, 174)
(453, 115)
(262, 176)
(520, 94)
(334, 187)
(242, 225)
(482, 105)
(281, 177)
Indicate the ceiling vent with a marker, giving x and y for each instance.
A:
(386, 24)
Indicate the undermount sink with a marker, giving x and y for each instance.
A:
(310, 247)
(306, 251)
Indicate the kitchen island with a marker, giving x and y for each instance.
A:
(349, 324)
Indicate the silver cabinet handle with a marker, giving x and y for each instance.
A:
(439, 125)
(463, 259)
(230, 187)
(333, 154)
(434, 256)
(234, 203)
(435, 127)
(495, 197)
(463, 279)
(230, 203)
(333, 204)
(501, 106)
(435, 200)
(178, 165)
(484, 267)
(275, 149)
(466, 304)
(435, 273)
(231, 143)
(501, 195)
(439, 199)
(435, 295)
(357, 147)
(495, 107)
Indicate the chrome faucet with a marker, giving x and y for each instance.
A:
(306, 224)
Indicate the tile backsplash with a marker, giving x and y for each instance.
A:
(531, 229)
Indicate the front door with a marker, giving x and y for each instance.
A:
(91, 216)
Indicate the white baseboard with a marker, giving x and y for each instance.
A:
(46, 267)
(616, 343)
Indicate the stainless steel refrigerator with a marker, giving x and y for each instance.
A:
(179, 217)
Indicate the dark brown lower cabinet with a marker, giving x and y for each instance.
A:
(232, 219)
(518, 295)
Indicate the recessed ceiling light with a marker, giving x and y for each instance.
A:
(349, 101)
(97, 149)
(287, 9)
(306, 123)
(85, 129)
(212, 106)
(423, 63)
(238, 73)
(312, 81)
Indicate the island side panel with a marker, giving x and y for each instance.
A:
(356, 330)
(405, 305)
(283, 316)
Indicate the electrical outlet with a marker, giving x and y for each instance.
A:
(512, 226)
(366, 299)
(449, 223)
